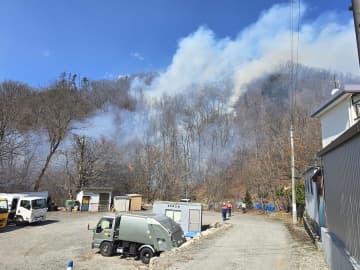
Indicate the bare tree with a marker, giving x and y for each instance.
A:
(60, 105)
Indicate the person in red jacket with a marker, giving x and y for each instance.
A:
(224, 211)
(229, 208)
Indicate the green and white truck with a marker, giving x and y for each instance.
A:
(143, 236)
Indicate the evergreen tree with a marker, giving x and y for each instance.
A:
(248, 200)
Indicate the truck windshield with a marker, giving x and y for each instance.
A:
(3, 206)
(38, 204)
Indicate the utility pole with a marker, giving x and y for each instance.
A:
(293, 191)
(292, 109)
(355, 8)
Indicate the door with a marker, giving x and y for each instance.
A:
(104, 202)
(24, 210)
(85, 203)
(104, 230)
(194, 220)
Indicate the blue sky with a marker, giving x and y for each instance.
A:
(102, 39)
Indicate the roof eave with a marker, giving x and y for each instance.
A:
(348, 89)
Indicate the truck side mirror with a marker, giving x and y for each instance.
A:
(88, 227)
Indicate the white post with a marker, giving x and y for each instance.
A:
(293, 192)
(70, 265)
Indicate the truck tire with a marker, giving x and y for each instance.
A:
(19, 221)
(106, 249)
(146, 254)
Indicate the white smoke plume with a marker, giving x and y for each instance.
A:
(204, 59)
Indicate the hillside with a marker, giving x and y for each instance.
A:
(164, 147)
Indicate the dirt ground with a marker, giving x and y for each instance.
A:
(249, 242)
(63, 237)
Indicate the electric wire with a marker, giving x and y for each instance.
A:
(297, 51)
(291, 60)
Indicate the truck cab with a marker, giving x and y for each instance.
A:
(26, 209)
(136, 235)
(31, 209)
(3, 212)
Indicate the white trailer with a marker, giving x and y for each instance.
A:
(187, 215)
(24, 208)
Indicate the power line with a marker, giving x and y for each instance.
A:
(297, 51)
(291, 58)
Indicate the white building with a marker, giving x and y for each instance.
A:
(122, 203)
(94, 199)
(340, 157)
(187, 215)
(339, 113)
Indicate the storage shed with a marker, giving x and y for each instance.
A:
(135, 201)
(94, 199)
(187, 215)
(121, 203)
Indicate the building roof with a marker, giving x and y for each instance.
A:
(134, 195)
(178, 203)
(347, 90)
(96, 189)
(343, 138)
(122, 197)
(311, 169)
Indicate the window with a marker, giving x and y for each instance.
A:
(175, 215)
(3, 206)
(38, 204)
(25, 204)
(356, 104)
(105, 223)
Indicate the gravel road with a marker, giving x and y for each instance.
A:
(253, 242)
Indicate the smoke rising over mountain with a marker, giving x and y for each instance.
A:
(202, 58)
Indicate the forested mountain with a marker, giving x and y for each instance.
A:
(197, 142)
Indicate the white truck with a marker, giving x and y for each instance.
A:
(25, 208)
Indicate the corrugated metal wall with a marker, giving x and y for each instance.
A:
(311, 197)
(342, 193)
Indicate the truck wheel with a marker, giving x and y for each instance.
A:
(19, 221)
(106, 249)
(146, 254)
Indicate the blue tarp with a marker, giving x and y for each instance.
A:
(191, 234)
(239, 203)
(258, 206)
(270, 208)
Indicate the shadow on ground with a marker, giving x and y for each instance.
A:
(12, 227)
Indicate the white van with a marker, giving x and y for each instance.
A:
(25, 208)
